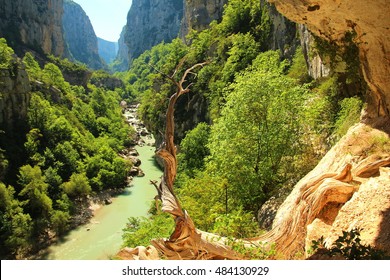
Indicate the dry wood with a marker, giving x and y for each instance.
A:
(370, 166)
(289, 235)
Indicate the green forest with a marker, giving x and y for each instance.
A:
(67, 150)
(266, 124)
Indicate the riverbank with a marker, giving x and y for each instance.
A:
(97, 232)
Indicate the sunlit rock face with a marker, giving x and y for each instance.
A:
(369, 21)
(33, 25)
(368, 208)
(150, 22)
(80, 35)
(199, 13)
(122, 57)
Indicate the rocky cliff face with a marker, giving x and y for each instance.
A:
(369, 22)
(199, 13)
(14, 96)
(33, 25)
(107, 50)
(122, 59)
(317, 69)
(283, 36)
(80, 36)
(150, 22)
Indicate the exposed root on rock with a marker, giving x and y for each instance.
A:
(289, 235)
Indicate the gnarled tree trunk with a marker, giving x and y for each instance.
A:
(186, 242)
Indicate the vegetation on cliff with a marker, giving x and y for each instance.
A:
(268, 123)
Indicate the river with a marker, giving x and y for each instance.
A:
(101, 238)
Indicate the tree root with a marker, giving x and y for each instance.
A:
(289, 235)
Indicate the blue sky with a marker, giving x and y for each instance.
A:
(107, 16)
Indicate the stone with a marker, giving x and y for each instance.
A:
(267, 213)
(15, 96)
(133, 171)
(80, 36)
(332, 20)
(198, 14)
(33, 25)
(136, 161)
(149, 22)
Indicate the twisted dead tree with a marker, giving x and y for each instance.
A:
(186, 242)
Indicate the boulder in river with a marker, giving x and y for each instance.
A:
(107, 201)
(140, 173)
(136, 161)
(134, 171)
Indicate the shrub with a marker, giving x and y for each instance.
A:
(348, 245)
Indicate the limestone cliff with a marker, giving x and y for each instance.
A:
(80, 36)
(107, 50)
(199, 13)
(316, 67)
(149, 22)
(14, 96)
(368, 21)
(350, 186)
(283, 33)
(122, 59)
(33, 25)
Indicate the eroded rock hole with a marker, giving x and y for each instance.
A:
(313, 8)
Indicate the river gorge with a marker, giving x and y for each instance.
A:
(101, 238)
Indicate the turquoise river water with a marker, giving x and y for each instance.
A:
(102, 237)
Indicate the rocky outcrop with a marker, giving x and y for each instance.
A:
(349, 189)
(107, 50)
(368, 210)
(80, 36)
(370, 25)
(108, 82)
(316, 67)
(283, 33)
(198, 14)
(149, 22)
(33, 25)
(14, 96)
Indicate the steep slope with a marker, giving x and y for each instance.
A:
(122, 59)
(199, 13)
(33, 25)
(14, 97)
(80, 36)
(150, 22)
(107, 50)
(370, 25)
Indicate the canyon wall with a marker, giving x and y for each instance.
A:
(369, 24)
(150, 22)
(365, 148)
(80, 36)
(199, 13)
(33, 25)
